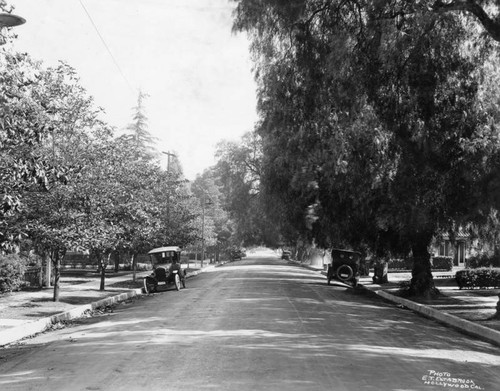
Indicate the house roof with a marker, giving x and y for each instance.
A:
(338, 250)
(460, 235)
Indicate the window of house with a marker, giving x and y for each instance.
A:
(441, 249)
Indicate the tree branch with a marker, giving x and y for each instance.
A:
(491, 25)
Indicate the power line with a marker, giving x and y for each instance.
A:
(107, 47)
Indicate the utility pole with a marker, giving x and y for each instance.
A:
(203, 230)
(169, 155)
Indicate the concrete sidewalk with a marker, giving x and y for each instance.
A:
(466, 310)
(25, 313)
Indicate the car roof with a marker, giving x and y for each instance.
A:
(338, 250)
(164, 249)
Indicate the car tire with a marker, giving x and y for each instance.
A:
(344, 273)
(177, 282)
(147, 287)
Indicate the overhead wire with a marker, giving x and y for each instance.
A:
(107, 47)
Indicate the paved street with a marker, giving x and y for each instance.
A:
(256, 324)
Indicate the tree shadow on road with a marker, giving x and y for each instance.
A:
(266, 322)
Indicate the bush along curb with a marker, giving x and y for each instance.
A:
(478, 278)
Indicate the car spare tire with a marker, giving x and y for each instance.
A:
(345, 273)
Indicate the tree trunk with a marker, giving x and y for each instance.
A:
(46, 270)
(134, 266)
(117, 261)
(422, 283)
(57, 273)
(103, 269)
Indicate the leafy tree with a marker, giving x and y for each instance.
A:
(68, 184)
(156, 210)
(53, 215)
(211, 219)
(368, 121)
(25, 121)
(239, 171)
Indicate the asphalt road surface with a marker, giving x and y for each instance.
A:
(256, 324)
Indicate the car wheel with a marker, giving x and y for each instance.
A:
(177, 282)
(147, 287)
(344, 273)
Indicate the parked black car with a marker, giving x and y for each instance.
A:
(345, 267)
(237, 254)
(167, 270)
(286, 255)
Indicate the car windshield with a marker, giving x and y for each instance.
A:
(164, 257)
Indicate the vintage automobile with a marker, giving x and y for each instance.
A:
(237, 253)
(167, 270)
(345, 267)
(286, 255)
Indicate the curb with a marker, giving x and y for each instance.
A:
(465, 326)
(16, 333)
(28, 329)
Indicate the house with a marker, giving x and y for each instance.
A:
(460, 249)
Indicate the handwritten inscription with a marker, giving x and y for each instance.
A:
(445, 380)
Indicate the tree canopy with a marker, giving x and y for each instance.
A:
(374, 123)
(68, 183)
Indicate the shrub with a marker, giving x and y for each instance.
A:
(442, 263)
(437, 263)
(483, 260)
(12, 268)
(401, 264)
(478, 278)
(139, 267)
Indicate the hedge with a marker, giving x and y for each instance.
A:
(437, 263)
(12, 268)
(442, 263)
(138, 267)
(401, 264)
(478, 278)
(483, 260)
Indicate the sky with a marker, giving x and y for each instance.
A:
(181, 53)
